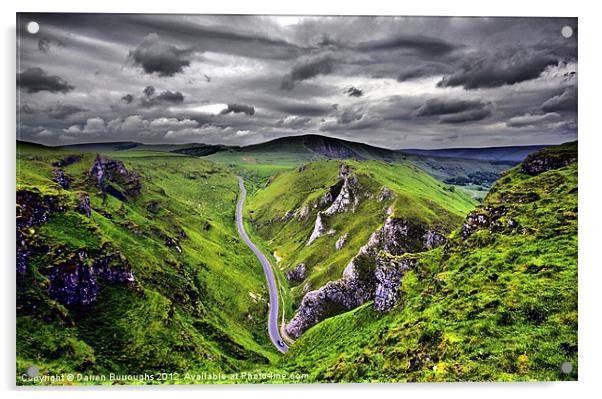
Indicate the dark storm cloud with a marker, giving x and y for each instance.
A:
(422, 71)
(238, 109)
(566, 101)
(454, 110)
(436, 107)
(229, 38)
(466, 116)
(157, 56)
(354, 92)
(34, 80)
(168, 96)
(148, 91)
(128, 98)
(151, 99)
(506, 67)
(309, 68)
(417, 43)
(295, 73)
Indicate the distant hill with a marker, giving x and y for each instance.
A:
(326, 147)
(501, 154)
(474, 168)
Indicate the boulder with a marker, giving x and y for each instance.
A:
(341, 241)
(550, 158)
(297, 274)
(61, 179)
(76, 282)
(83, 204)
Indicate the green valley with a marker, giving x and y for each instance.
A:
(388, 266)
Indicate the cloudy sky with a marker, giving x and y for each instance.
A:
(394, 82)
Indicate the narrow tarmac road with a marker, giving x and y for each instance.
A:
(267, 269)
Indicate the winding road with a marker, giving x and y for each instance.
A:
(267, 269)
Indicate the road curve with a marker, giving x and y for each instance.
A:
(267, 269)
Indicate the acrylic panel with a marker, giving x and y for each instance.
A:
(215, 199)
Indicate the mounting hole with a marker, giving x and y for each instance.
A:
(33, 27)
(566, 367)
(566, 32)
(33, 371)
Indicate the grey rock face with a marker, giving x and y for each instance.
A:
(344, 171)
(302, 212)
(287, 216)
(61, 179)
(539, 162)
(385, 194)
(77, 283)
(153, 206)
(433, 239)
(334, 298)
(68, 160)
(367, 276)
(33, 208)
(297, 274)
(326, 199)
(486, 217)
(114, 171)
(341, 241)
(345, 198)
(328, 147)
(83, 204)
(388, 276)
(319, 229)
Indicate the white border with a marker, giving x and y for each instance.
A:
(589, 197)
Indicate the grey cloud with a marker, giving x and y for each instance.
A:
(506, 67)
(566, 101)
(422, 71)
(467, 116)
(170, 97)
(417, 43)
(304, 109)
(349, 116)
(238, 108)
(533, 120)
(295, 122)
(64, 111)
(149, 91)
(435, 106)
(322, 65)
(34, 80)
(150, 99)
(454, 110)
(354, 92)
(156, 56)
(128, 98)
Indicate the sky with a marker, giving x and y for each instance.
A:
(392, 82)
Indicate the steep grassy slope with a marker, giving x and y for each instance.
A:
(284, 212)
(498, 302)
(174, 289)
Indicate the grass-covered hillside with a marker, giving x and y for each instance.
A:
(284, 213)
(130, 263)
(497, 302)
